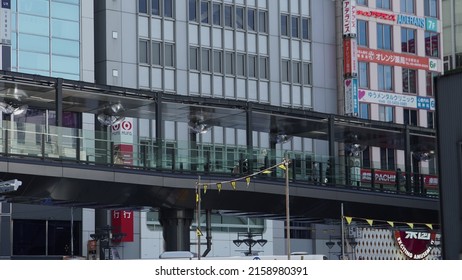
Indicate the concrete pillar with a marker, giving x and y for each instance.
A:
(176, 225)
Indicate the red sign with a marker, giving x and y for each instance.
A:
(123, 154)
(376, 14)
(415, 245)
(386, 177)
(350, 57)
(393, 59)
(122, 222)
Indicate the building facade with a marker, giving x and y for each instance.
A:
(451, 36)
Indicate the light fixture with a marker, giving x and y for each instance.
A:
(237, 242)
(262, 242)
(424, 156)
(111, 114)
(199, 127)
(110, 120)
(282, 138)
(8, 108)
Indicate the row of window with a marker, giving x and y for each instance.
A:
(385, 78)
(387, 114)
(293, 26)
(406, 6)
(162, 8)
(408, 39)
(156, 53)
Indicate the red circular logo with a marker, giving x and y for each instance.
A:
(126, 125)
(116, 127)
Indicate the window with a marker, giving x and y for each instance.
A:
(169, 58)
(295, 27)
(252, 60)
(306, 28)
(143, 52)
(386, 113)
(239, 18)
(251, 20)
(218, 62)
(284, 25)
(168, 8)
(204, 11)
(192, 10)
(193, 56)
(156, 53)
(285, 71)
(387, 158)
(431, 8)
(363, 74)
(430, 79)
(385, 77)
(263, 68)
(366, 158)
(229, 63)
(362, 2)
(432, 43)
(364, 110)
(383, 4)
(409, 80)
(410, 116)
(155, 7)
(362, 35)
(217, 14)
(408, 40)
(296, 72)
(430, 119)
(384, 36)
(205, 60)
(407, 6)
(143, 6)
(306, 73)
(240, 64)
(262, 15)
(229, 20)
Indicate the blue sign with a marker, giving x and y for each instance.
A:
(425, 103)
(411, 20)
(355, 97)
(431, 24)
(6, 4)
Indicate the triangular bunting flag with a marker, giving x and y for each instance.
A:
(266, 171)
(282, 166)
(247, 180)
(348, 219)
(370, 222)
(198, 232)
(219, 187)
(197, 197)
(233, 184)
(430, 226)
(411, 225)
(392, 224)
(205, 189)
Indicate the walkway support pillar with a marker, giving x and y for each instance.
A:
(176, 225)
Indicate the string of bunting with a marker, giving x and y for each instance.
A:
(391, 223)
(233, 183)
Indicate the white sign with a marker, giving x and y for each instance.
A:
(351, 97)
(349, 18)
(5, 21)
(394, 99)
(123, 132)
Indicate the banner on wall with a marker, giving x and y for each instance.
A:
(5, 18)
(349, 18)
(122, 223)
(122, 137)
(395, 99)
(386, 177)
(351, 96)
(350, 57)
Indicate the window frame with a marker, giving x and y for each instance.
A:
(428, 11)
(382, 40)
(408, 115)
(407, 42)
(411, 83)
(383, 85)
(363, 36)
(429, 51)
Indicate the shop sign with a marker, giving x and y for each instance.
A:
(394, 59)
(349, 18)
(377, 15)
(351, 97)
(411, 20)
(415, 245)
(386, 177)
(395, 99)
(350, 57)
(5, 18)
(431, 24)
(122, 223)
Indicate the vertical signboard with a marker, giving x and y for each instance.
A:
(5, 17)
(122, 222)
(122, 135)
(349, 18)
(350, 57)
(351, 97)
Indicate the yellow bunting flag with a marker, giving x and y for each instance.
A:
(348, 219)
(392, 224)
(197, 197)
(266, 171)
(282, 166)
(411, 225)
(430, 226)
(198, 232)
(370, 222)
(219, 187)
(247, 180)
(205, 189)
(233, 184)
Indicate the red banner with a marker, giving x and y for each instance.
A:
(393, 59)
(386, 177)
(122, 222)
(350, 57)
(123, 154)
(415, 245)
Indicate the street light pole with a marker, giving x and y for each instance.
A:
(198, 217)
(286, 164)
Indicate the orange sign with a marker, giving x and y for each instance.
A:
(350, 57)
(393, 59)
